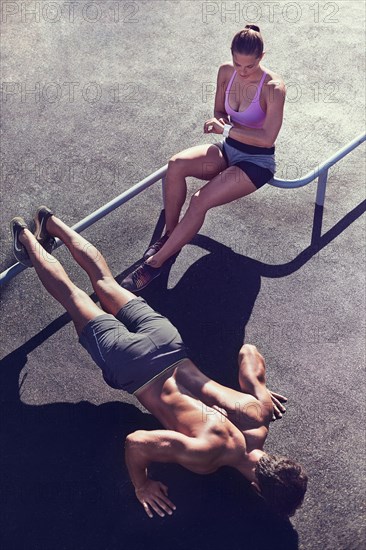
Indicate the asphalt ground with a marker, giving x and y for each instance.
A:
(96, 96)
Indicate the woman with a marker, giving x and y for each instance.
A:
(248, 114)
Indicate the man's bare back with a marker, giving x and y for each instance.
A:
(187, 401)
(207, 425)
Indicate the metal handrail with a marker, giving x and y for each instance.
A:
(310, 176)
(95, 216)
(321, 172)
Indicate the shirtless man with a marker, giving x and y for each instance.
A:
(207, 425)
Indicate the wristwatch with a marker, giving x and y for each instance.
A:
(227, 128)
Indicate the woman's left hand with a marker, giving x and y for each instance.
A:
(213, 126)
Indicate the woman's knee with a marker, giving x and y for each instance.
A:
(197, 204)
(178, 165)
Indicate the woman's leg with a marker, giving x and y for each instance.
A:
(230, 185)
(201, 162)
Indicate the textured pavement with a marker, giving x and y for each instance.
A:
(96, 96)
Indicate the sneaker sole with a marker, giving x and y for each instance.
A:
(19, 253)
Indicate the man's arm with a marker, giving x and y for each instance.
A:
(252, 380)
(255, 404)
(143, 447)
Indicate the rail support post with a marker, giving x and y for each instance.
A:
(319, 207)
(163, 190)
(322, 185)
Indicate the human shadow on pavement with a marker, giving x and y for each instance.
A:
(64, 484)
(210, 306)
(213, 301)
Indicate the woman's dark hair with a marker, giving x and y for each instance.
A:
(282, 482)
(249, 41)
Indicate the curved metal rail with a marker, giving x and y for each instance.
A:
(321, 172)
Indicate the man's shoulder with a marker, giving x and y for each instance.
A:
(252, 412)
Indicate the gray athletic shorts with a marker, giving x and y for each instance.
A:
(134, 346)
(257, 162)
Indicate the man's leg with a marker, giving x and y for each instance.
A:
(54, 278)
(111, 296)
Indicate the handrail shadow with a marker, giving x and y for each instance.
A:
(318, 242)
(63, 476)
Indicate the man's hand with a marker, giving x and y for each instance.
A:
(213, 126)
(154, 495)
(278, 408)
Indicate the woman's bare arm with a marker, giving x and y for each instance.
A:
(219, 107)
(260, 137)
(267, 135)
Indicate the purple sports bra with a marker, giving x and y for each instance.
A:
(253, 116)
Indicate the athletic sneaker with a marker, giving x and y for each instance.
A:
(43, 237)
(141, 277)
(154, 248)
(20, 252)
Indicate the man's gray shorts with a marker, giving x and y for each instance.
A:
(134, 346)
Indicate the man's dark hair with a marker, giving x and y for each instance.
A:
(282, 482)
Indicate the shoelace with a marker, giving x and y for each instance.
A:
(138, 276)
(158, 244)
(48, 243)
(156, 247)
